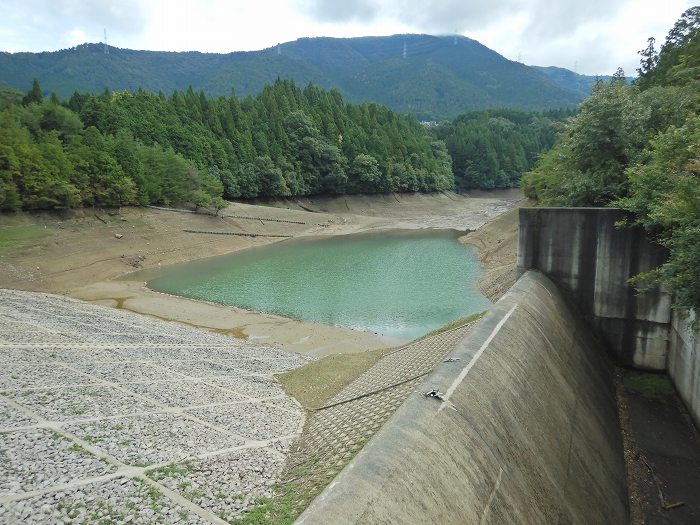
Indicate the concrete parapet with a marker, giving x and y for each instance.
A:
(526, 430)
(591, 259)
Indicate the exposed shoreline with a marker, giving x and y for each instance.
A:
(82, 257)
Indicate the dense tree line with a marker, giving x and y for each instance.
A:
(139, 148)
(493, 148)
(50, 159)
(638, 147)
(285, 141)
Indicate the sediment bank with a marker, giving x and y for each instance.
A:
(90, 255)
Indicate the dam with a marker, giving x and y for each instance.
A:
(511, 418)
(526, 431)
(521, 422)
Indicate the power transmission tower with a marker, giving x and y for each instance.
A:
(279, 49)
(404, 50)
(106, 46)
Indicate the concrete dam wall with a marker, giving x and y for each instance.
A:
(525, 430)
(591, 260)
(684, 362)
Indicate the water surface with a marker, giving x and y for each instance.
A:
(399, 284)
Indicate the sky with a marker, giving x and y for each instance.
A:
(588, 36)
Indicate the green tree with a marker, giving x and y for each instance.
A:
(608, 133)
(365, 176)
(34, 95)
(665, 199)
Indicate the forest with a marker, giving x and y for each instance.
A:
(141, 148)
(493, 148)
(638, 147)
(123, 148)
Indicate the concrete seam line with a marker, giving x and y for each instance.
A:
(496, 486)
(476, 357)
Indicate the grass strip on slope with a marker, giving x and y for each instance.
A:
(320, 380)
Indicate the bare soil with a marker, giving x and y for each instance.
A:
(497, 245)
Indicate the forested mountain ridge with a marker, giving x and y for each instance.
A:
(437, 76)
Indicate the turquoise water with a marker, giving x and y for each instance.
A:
(399, 284)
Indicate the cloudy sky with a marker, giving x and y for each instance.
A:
(590, 36)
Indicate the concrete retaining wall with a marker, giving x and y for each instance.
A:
(591, 260)
(527, 431)
(684, 363)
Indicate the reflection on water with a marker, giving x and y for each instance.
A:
(400, 284)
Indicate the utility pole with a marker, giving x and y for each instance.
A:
(105, 42)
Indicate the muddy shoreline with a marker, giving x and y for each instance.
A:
(91, 255)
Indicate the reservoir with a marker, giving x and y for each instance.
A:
(401, 284)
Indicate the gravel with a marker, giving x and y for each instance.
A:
(251, 386)
(258, 421)
(128, 372)
(264, 366)
(184, 393)
(226, 484)
(184, 397)
(201, 368)
(39, 375)
(10, 417)
(35, 336)
(115, 502)
(63, 404)
(39, 458)
(152, 439)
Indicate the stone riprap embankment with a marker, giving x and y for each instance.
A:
(111, 417)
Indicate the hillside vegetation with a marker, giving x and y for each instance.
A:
(139, 148)
(439, 77)
(638, 147)
(493, 148)
(124, 148)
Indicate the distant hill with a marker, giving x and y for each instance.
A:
(581, 84)
(432, 77)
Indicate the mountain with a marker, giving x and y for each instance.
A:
(581, 84)
(429, 76)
